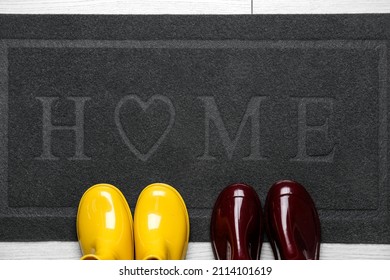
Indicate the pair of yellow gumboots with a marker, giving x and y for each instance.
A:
(106, 229)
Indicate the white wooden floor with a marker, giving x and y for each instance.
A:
(201, 251)
(196, 251)
(193, 6)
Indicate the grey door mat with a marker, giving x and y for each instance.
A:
(197, 102)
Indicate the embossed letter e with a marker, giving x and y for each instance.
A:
(48, 127)
(212, 114)
(304, 128)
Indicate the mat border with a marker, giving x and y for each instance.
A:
(380, 214)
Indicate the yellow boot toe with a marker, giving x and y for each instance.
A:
(161, 224)
(105, 224)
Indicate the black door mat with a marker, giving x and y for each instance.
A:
(197, 102)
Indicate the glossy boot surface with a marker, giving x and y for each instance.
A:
(292, 222)
(161, 224)
(236, 227)
(105, 224)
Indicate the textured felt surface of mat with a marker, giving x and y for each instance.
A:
(198, 102)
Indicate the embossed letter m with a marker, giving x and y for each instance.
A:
(212, 114)
(48, 127)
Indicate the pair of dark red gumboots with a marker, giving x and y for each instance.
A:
(290, 220)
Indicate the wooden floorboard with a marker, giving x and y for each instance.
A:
(196, 251)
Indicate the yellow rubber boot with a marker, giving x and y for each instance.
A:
(161, 224)
(105, 225)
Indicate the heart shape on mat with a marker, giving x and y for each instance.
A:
(144, 106)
